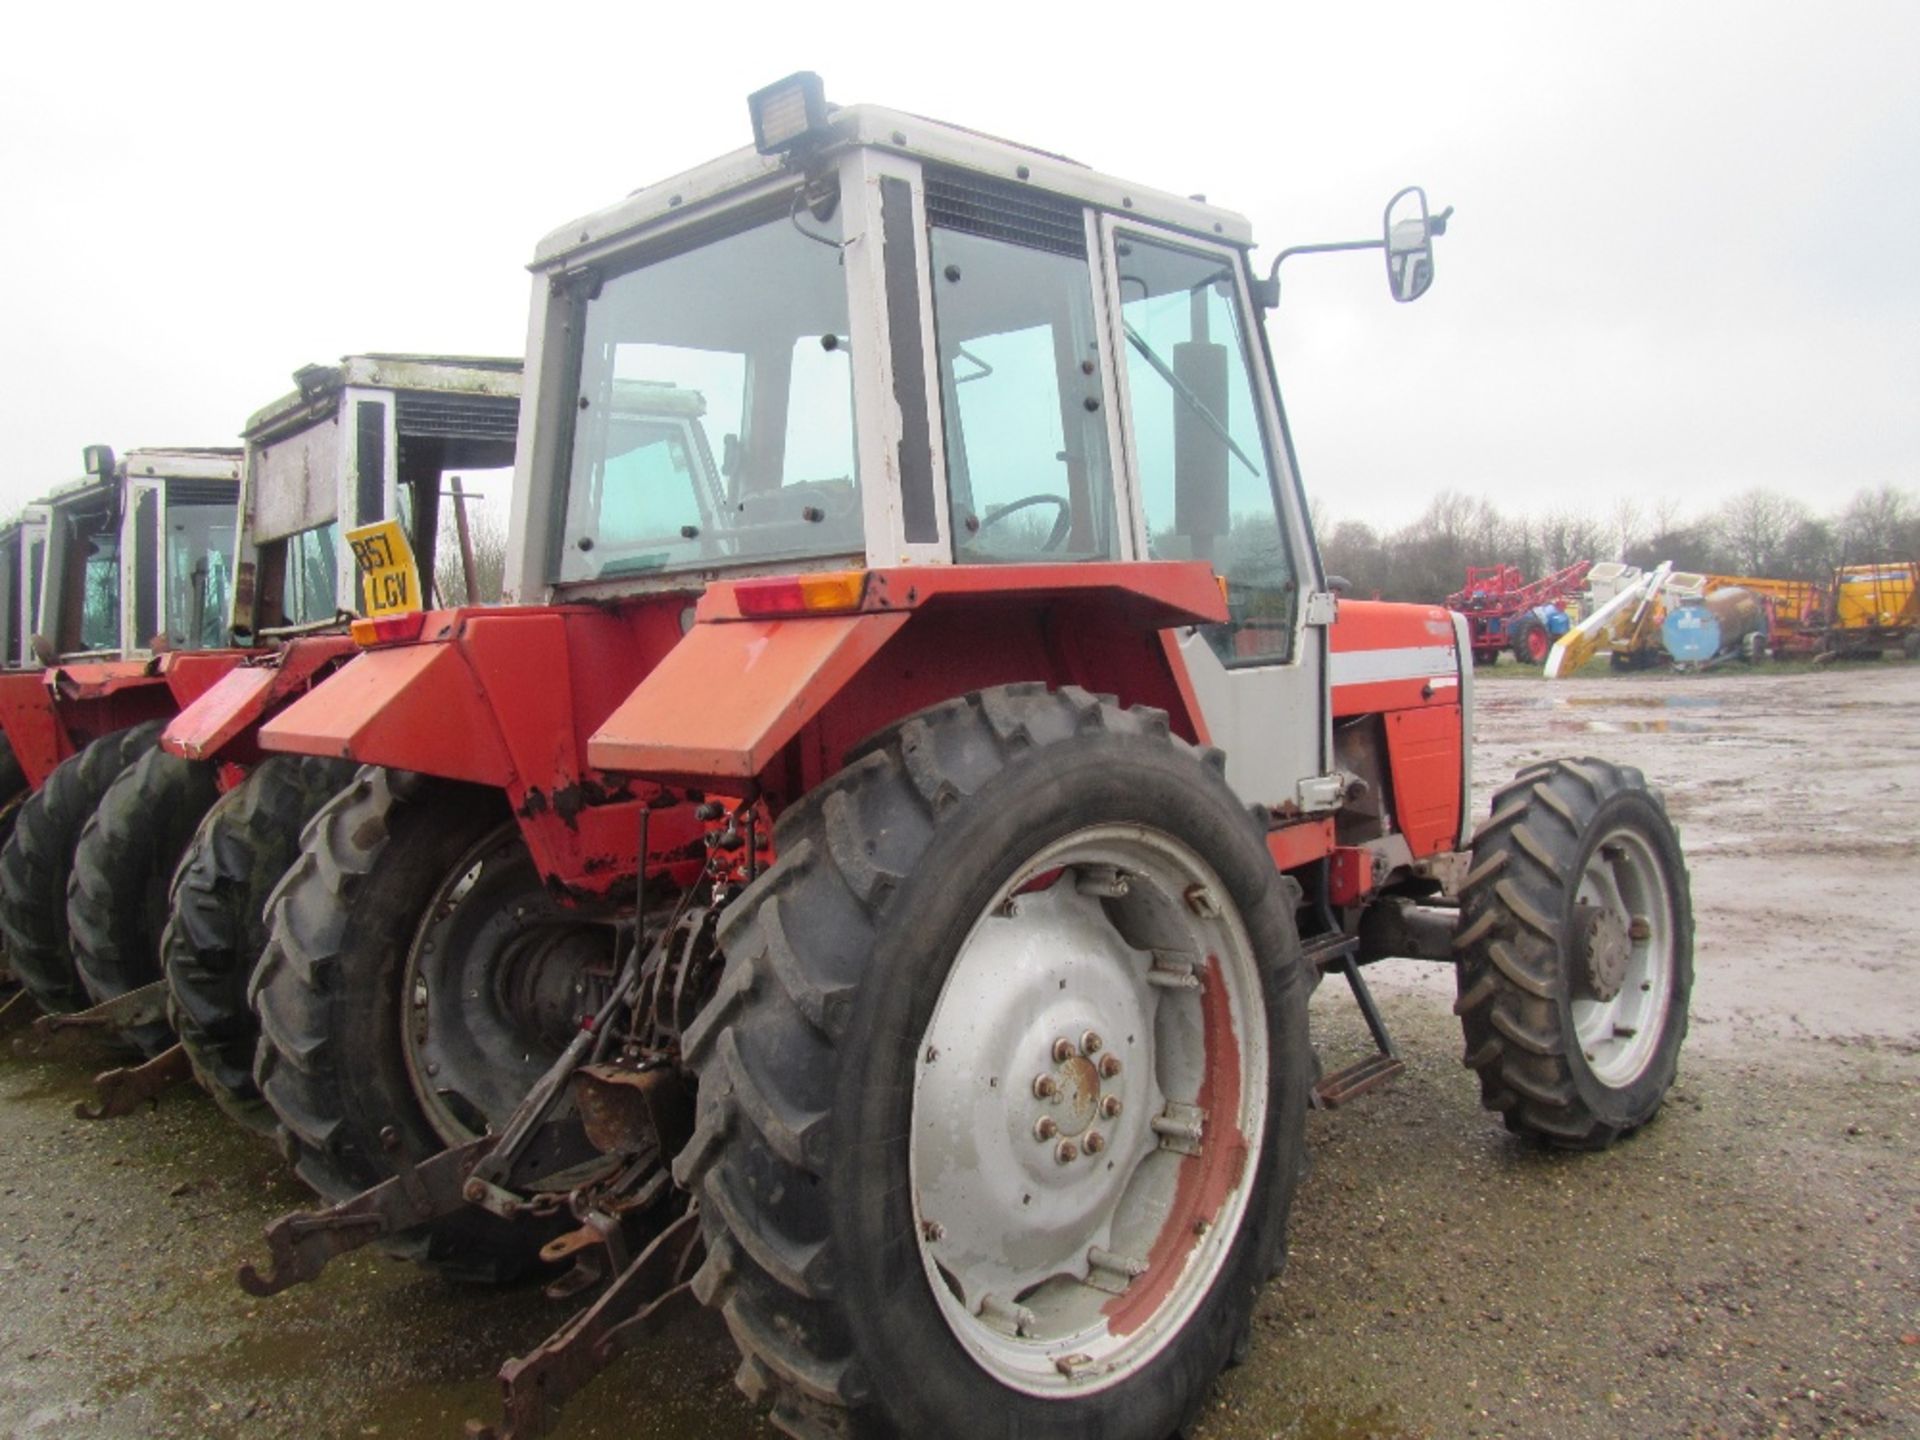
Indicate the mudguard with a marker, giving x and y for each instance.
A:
(219, 721)
(730, 696)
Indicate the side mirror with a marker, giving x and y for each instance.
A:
(98, 460)
(1407, 236)
(1409, 231)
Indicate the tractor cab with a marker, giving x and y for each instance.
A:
(23, 556)
(367, 439)
(138, 556)
(897, 342)
(902, 346)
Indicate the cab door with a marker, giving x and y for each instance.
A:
(1209, 477)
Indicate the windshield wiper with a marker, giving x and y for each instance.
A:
(1185, 392)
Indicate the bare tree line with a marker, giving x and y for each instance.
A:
(1757, 532)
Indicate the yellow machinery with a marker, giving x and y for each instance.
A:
(1625, 625)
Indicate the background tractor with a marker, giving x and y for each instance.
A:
(872, 881)
(381, 434)
(119, 589)
(367, 438)
(1506, 612)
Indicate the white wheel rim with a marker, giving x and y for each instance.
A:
(1061, 1262)
(1620, 1035)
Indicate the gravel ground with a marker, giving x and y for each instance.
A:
(1746, 1266)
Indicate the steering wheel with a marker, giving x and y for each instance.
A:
(1055, 538)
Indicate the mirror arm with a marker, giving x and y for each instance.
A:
(1266, 294)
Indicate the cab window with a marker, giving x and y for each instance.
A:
(199, 573)
(1206, 482)
(739, 349)
(1028, 473)
(311, 574)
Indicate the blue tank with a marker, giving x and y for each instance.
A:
(1691, 633)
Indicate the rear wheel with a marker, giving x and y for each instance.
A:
(1576, 953)
(417, 979)
(218, 921)
(38, 858)
(1002, 1093)
(1530, 641)
(123, 866)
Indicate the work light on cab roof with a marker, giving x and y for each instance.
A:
(788, 113)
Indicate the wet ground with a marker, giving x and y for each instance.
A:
(1749, 1265)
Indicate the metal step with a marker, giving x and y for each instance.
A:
(1329, 952)
(1355, 1080)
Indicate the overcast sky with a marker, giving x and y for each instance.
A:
(1683, 258)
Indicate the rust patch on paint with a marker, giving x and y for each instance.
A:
(1206, 1179)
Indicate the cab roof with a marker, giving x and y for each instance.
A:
(901, 134)
(319, 386)
(158, 462)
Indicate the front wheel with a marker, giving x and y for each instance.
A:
(1576, 953)
(1002, 1093)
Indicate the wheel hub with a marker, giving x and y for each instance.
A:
(1606, 949)
(492, 985)
(1075, 1097)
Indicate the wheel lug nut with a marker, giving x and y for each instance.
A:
(1091, 1043)
(1066, 1152)
(1063, 1050)
(1110, 1066)
(1095, 1142)
(1110, 1107)
(1045, 1129)
(1045, 1087)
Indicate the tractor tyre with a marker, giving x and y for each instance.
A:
(120, 890)
(1530, 641)
(412, 916)
(218, 927)
(1003, 1085)
(38, 858)
(13, 794)
(1576, 953)
(14, 789)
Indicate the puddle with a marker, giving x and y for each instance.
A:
(1631, 727)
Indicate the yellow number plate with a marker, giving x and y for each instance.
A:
(390, 579)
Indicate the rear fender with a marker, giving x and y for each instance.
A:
(505, 698)
(224, 719)
(50, 714)
(779, 702)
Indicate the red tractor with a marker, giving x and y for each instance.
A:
(117, 588)
(89, 886)
(873, 882)
(1506, 612)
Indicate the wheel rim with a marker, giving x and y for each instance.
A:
(1537, 646)
(1086, 1117)
(1624, 967)
(494, 983)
